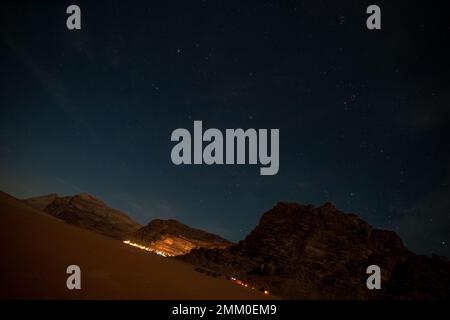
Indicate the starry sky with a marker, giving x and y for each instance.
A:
(364, 116)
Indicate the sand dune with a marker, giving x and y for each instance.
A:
(36, 249)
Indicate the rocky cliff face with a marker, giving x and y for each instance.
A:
(86, 211)
(421, 277)
(40, 203)
(174, 238)
(303, 252)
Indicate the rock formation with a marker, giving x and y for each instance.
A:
(86, 211)
(174, 238)
(302, 252)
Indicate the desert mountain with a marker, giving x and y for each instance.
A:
(41, 202)
(86, 211)
(303, 252)
(174, 238)
(37, 248)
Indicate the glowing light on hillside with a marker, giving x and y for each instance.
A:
(137, 245)
(165, 254)
(246, 285)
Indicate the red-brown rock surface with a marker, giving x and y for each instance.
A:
(174, 238)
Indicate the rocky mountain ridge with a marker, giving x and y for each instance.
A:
(174, 238)
(88, 212)
(306, 252)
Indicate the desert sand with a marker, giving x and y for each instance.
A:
(36, 249)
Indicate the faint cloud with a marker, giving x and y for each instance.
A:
(70, 185)
(54, 88)
(165, 209)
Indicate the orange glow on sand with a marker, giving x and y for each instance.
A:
(164, 254)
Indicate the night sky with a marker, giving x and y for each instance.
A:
(364, 116)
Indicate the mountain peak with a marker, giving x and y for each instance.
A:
(329, 206)
(41, 202)
(87, 197)
(174, 238)
(86, 211)
(301, 251)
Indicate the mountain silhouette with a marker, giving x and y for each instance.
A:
(86, 211)
(305, 252)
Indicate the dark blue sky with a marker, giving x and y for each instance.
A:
(363, 115)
